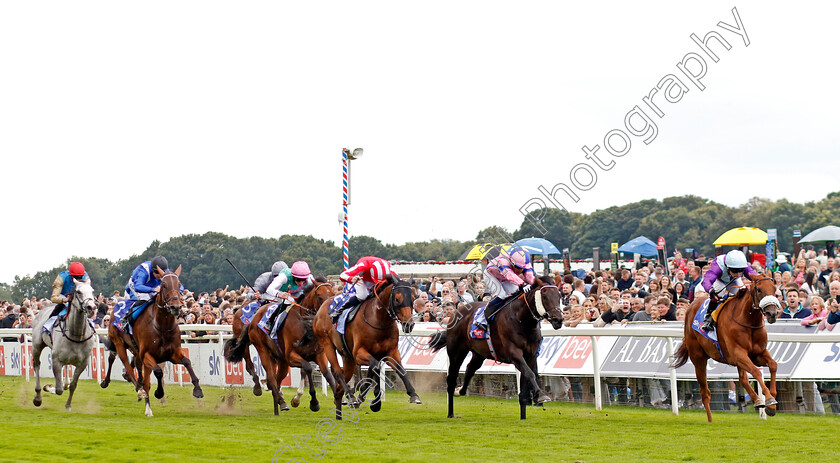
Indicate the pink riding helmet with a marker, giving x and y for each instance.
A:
(300, 269)
(520, 258)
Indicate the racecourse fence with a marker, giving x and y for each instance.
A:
(627, 364)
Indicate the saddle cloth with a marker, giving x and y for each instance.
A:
(248, 312)
(278, 324)
(121, 310)
(480, 329)
(697, 324)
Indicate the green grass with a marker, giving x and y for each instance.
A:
(234, 425)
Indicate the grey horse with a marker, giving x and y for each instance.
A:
(71, 340)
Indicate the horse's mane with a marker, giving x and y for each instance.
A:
(309, 287)
(547, 279)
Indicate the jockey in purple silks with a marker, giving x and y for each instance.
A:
(725, 270)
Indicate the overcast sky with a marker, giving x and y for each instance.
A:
(188, 117)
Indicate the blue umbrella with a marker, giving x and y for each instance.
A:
(537, 246)
(640, 245)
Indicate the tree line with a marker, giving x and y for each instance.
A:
(684, 221)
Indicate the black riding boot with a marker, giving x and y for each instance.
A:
(273, 317)
(709, 322)
(57, 310)
(348, 303)
(129, 317)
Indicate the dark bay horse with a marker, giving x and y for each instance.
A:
(743, 341)
(371, 338)
(297, 345)
(157, 338)
(515, 334)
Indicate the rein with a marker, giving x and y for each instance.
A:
(541, 313)
(391, 310)
(753, 296)
(62, 324)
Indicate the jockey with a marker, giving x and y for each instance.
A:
(362, 277)
(505, 274)
(65, 284)
(144, 283)
(286, 286)
(265, 279)
(725, 270)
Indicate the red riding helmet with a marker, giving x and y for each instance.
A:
(77, 269)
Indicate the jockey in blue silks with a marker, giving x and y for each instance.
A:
(144, 283)
(65, 284)
(726, 270)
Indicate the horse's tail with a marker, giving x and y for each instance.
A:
(438, 341)
(308, 333)
(235, 348)
(681, 356)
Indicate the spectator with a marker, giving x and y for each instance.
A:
(782, 264)
(696, 275)
(667, 312)
(680, 315)
(665, 285)
(833, 303)
(576, 316)
(810, 283)
(681, 290)
(624, 282)
(620, 313)
(463, 295)
(794, 307)
(818, 312)
(590, 310)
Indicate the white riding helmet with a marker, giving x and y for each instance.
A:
(735, 260)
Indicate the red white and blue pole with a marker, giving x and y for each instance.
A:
(346, 243)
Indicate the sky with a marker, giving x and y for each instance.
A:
(189, 117)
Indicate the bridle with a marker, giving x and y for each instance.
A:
(392, 311)
(166, 304)
(764, 302)
(538, 312)
(62, 326)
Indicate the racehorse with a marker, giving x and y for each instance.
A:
(295, 347)
(743, 341)
(515, 336)
(370, 338)
(70, 341)
(157, 339)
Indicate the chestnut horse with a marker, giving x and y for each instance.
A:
(158, 339)
(297, 346)
(238, 327)
(516, 337)
(743, 341)
(371, 338)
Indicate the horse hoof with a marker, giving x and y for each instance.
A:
(295, 401)
(141, 395)
(159, 394)
(459, 389)
(314, 406)
(543, 398)
(284, 407)
(103, 384)
(771, 411)
(376, 406)
(257, 390)
(198, 394)
(67, 408)
(415, 399)
(36, 401)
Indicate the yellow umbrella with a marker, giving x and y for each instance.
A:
(742, 236)
(479, 251)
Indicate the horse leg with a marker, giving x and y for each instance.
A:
(525, 396)
(282, 371)
(36, 365)
(745, 365)
(149, 363)
(394, 356)
(524, 368)
(293, 359)
(374, 374)
(764, 359)
(306, 372)
(475, 363)
(699, 361)
(349, 370)
(159, 376)
(59, 383)
(72, 386)
(129, 367)
(249, 367)
(107, 380)
(323, 365)
(179, 357)
(456, 358)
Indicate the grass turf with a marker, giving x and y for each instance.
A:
(234, 425)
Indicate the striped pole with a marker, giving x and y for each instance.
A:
(346, 244)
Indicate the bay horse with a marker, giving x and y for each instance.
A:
(70, 341)
(157, 338)
(743, 341)
(515, 336)
(296, 346)
(371, 338)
